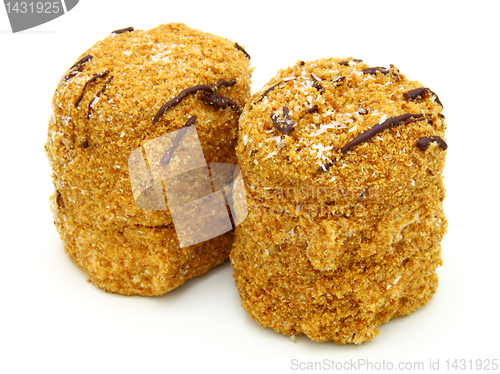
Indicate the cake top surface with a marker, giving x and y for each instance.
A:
(112, 101)
(338, 122)
(138, 71)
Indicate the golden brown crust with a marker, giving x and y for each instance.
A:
(337, 243)
(118, 92)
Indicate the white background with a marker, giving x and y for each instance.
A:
(52, 320)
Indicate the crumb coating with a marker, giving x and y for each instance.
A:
(337, 243)
(103, 110)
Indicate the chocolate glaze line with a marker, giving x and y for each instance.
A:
(121, 31)
(312, 109)
(97, 95)
(82, 61)
(284, 125)
(73, 73)
(419, 93)
(388, 123)
(192, 90)
(424, 143)
(266, 92)
(220, 102)
(373, 71)
(362, 110)
(415, 94)
(93, 79)
(168, 155)
(346, 63)
(338, 81)
(79, 65)
(436, 98)
(318, 86)
(240, 48)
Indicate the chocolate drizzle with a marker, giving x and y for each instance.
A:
(312, 109)
(284, 125)
(220, 102)
(424, 143)
(240, 48)
(436, 98)
(97, 95)
(373, 71)
(318, 86)
(346, 63)
(362, 111)
(59, 199)
(121, 31)
(168, 155)
(78, 66)
(415, 94)
(73, 73)
(419, 93)
(338, 81)
(388, 123)
(82, 61)
(91, 80)
(266, 92)
(192, 90)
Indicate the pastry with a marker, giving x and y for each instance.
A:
(125, 91)
(343, 165)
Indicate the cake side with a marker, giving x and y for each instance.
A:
(120, 96)
(343, 165)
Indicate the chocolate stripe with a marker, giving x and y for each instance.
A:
(284, 125)
(121, 31)
(73, 73)
(312, 109)
(415, 94)
(346, 63)
(192, 90)
(220, 102)
(168, 156)
(79, 67)
(373, 71)
(97, 95)
(93, 79)
(338, 81)
(318, 86)
(424, 143)
(388, 123)
(420, 93)
(266, 92)
(81, 61)
(436, 98)
(240, 48)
